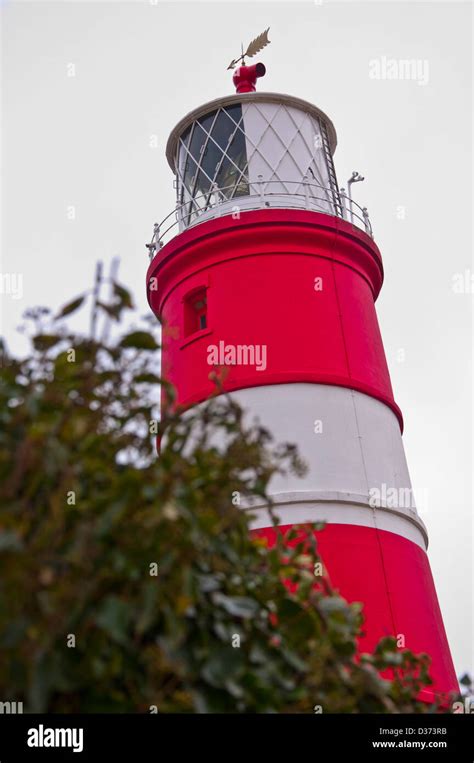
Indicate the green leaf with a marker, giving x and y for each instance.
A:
(333, 604)
(142, 340)
(43, 342)
(10, 541)
(147, 610)
(238, 606)
(114, 311)
(393, 658)
(71, 307)
(14, 633)
(114, 618)
(224, 664)
(123, 295)
(208, 583)
(147, 378)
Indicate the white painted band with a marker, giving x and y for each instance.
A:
(337, 508)
(350, 441)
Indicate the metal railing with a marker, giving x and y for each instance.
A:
(215, 203)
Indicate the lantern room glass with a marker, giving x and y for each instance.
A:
(213, 156)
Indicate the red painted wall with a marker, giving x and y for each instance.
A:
(260, 273)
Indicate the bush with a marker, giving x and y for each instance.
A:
(131, 582)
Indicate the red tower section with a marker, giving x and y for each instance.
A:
(269, 271)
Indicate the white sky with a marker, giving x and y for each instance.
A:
(85, 141)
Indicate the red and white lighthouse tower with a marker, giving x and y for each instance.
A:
(268, 268)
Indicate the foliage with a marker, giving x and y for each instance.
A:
(89, 513)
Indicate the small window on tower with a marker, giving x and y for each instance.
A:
(195, 312)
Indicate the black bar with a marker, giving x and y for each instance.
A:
(160, 737)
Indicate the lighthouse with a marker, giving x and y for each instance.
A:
(268, 272)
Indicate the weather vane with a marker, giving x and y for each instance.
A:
(254, 47)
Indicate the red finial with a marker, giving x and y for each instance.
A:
(245, 77)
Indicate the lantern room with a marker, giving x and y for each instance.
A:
(249, 150)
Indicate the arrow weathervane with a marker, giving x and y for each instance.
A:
(254, 47)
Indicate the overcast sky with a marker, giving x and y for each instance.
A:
(91, 91)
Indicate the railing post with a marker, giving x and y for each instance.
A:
(368, 227)
(306, 191)
(260, 190)
(343, 205)
(155, 242)
(217, 194)
(156, 237)
(350, 211)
